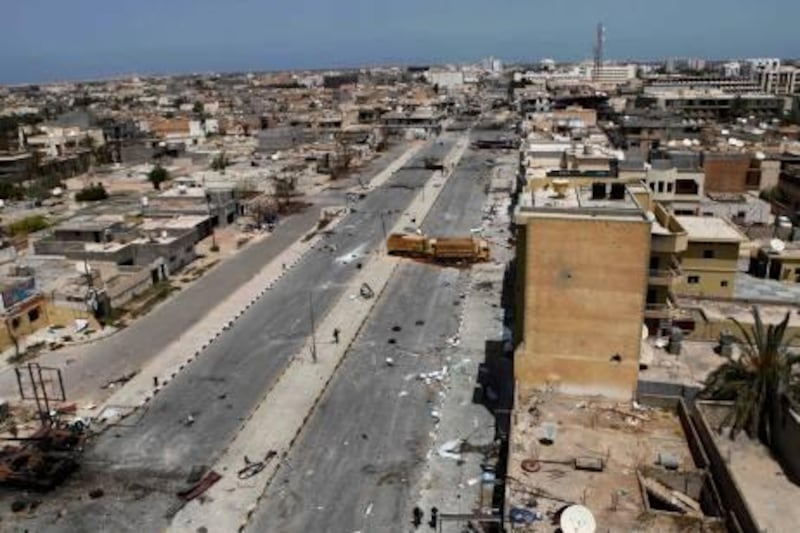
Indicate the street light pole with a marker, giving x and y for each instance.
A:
(313, 332)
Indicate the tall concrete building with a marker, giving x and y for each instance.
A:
(582, 279)
(775, 78)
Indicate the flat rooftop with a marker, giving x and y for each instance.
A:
(722, 312)
(770, 496)
(104, 247)
(89, 223)
(710, 229)
(8, 158)
(184, 192)
(175, 223)
(576, 200)
(690, 369)
(627, 440)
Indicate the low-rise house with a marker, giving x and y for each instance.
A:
(25, 310)
(16, 167)
(781, 262)
(221, 204)
(744, 209)
(711, 260)
(165, 245)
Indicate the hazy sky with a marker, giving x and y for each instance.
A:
(55, 39)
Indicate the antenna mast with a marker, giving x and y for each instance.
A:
(598, 50)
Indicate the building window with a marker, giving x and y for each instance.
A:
(651, 296)
(660, 186)
(653, 186)
(669, 186)
(33, 314)
(708, 254)
(723, 283)
(693, 280)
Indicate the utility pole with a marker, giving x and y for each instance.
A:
(313, 332)
(383, 226)
(211, 219)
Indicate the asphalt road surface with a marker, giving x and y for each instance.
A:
(353, 465)
(130, 349)
(141, 464)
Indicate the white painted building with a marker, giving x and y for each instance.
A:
(780, 79)
(608, 73)
(732, 69)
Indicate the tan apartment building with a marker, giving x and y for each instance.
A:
(711, 260)
(668, 241)
(582, 277)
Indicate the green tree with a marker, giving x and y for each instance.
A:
(93, 193)
(157, 176)
(10, 191)
(27, 225)
(757, 380)
(220, 162)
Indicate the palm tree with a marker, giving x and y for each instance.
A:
(757, 381)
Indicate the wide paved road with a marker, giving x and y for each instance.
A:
(130, 349)
(141, 464)
(353, 465)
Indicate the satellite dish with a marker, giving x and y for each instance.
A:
(577, 519)
(761, 156)
(777, 245)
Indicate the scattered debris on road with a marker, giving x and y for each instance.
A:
(200, 487)
(450, 450)
(436, 375)
(43, 460)
(119, 381)
(253, 468)
(366, 291)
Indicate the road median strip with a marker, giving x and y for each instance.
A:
(279, 418)
(192, 342)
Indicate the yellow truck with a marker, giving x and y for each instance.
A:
(439, 249)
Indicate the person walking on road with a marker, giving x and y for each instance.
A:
(336, 335)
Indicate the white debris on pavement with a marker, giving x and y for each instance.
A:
(448, 449)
